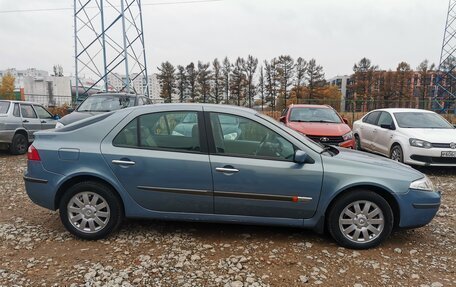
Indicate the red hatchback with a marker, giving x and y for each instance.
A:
(320, 123)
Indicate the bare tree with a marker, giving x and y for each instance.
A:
(425, 74)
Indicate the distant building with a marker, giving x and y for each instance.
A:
(117, 81)
(49, 91)
(20, 74)
(341, 82)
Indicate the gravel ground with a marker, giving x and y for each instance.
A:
(35, 250)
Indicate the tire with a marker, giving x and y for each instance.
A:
(356, 229)
(357, 143)
(19, 144)
(87, 219)
(396, 153)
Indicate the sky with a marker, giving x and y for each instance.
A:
(337, 33)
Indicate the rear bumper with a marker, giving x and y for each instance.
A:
(41, 185)
(418, 208)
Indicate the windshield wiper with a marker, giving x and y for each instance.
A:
(323, 121)
(299, 121)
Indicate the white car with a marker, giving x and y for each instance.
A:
(412, 136)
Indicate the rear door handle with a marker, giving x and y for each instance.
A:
(25, 121)
(123, 162)
(43, 122)
(226, 170)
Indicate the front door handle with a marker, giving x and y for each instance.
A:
(226, 169)
(25, 121)
(43, 122)
(123, 162)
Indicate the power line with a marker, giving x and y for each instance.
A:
(70, 8)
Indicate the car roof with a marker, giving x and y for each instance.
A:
(309, 106)
(403, 110)
(21, 102)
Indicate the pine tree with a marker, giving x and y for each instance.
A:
(301, 68)
(226, 71)
(425, 72)
(203, 80)
(261, 88)
(250, 67)
(315, 78)
(285, 68)
(167, 81)
(271, 82)
(192, 75)
(182, 83)
(217, 81)
(237, 81)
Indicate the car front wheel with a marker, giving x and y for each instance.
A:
(360, 220)
(90, 210)
(396, 153)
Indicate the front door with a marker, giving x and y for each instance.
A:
(46, 119)
(162, 169)
(254, 173)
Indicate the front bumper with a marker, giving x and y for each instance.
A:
(428, 157)
(418, 208)
(348, 144)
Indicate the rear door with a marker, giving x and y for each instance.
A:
(382, 138)
(367, 129)
(163, 170)
(46, 118)
(30, 120)
(254, 173)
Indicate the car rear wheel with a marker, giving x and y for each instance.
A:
(360, 220)
(90, 210)
(396, 153)
(357, 143)
(19, 144)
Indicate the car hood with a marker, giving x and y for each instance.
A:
(375, 161)
(76, 116)
(320, 129)
(432, 135)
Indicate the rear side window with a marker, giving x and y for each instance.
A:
(27, 111)
(176, 131)
(16, 111)
(371, 118)
(385, 119)
(4, 107)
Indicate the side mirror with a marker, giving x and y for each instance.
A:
(345, 120)
(282, 119)
(56, 117)
(389, 127)
(70, 110)
(300, 156)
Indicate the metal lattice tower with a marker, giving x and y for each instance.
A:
(109, 41)
(445, 93)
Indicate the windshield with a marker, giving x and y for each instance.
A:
(421, 120)
(106, 103)
(318, 115)
(300, 136)
(4, 107)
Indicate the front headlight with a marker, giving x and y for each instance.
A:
(423, 184)
(59, 125)
(348, 136)
(420, 143)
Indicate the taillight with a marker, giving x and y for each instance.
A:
(32, 153)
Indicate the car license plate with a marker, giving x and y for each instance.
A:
(448, 154)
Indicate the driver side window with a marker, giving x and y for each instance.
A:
(238, 136)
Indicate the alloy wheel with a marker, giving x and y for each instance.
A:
(88, 212)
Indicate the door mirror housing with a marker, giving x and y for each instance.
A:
(56, 117)
(345, 120)
(282, 119)
(389, 127)
(70, 110)
(300, 157)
